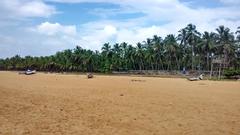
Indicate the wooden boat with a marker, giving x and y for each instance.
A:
(28, 72)
(196, 78)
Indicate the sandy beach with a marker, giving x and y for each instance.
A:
(56, 104)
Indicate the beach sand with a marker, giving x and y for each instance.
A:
(56, 104)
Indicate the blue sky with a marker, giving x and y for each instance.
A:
(43, 27)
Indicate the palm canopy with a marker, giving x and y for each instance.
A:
(225, 44)
(188, 49)
(238, 34)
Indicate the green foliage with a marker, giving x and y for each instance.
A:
(231, 72)
(189, 50)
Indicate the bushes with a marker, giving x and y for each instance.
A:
(232, 73)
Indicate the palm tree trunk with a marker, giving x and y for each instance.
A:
(225, 64)
(178, 66)
(169, 64)
(161, 64)
(208, 61)
(192, 57)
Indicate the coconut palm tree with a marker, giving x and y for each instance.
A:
(184, 47)
(158, 51)
(182, 36)
(123, 49)
(131, 57)
(149, 53)
(207, 46)
(154, 53)
(116, 56)
(238, 34)
(140, 55)
(192, 39)
(171, 48)
(107, 57)
(225, 42)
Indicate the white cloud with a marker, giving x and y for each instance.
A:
(110, 30)
(170, 11)
(94, 38)
(25, 8)
(161, 17)
(52, 29)
(36, 9)
(230, 1)
(176, 15)
(139, 34)
(98, 33)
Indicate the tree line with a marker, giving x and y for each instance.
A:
(190, 49)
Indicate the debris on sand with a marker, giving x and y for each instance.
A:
(89, 75)
(202, 84)
(121, 95)
(136, 80)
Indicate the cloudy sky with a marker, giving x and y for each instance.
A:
(42, 27)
